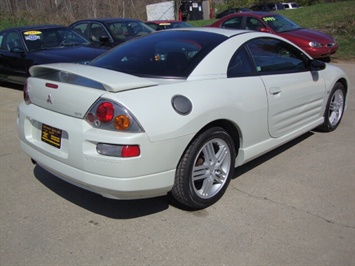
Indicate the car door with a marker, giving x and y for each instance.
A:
(295, 94)
(12, 57)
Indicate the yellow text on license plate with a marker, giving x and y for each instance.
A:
(51, 135)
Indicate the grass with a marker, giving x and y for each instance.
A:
(336, 19)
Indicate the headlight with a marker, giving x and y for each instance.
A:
(315, 44)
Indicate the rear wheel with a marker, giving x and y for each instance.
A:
(205, 169)
(335, 108)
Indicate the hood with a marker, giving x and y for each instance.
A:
(307, 35)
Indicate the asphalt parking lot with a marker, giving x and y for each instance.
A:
(293, 206)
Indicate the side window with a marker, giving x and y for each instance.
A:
(233, 23)
(97, 31)
(12, 42)
(240, 65)
(253, 24)
(82, 29)
(273, 56)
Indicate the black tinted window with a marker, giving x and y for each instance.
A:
(240, 65)
(272, 56)
(161, 54)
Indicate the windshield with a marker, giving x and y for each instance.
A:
(128, 29)
(41, 39)
(280, 24)
(161, 54)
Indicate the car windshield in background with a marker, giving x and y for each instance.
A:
(161, 54)
(280, 24)
(128, 29)
(52, 38)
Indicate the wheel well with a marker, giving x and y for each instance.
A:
(229, 127)
(345, 84)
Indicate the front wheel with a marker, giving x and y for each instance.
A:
(335, 108)
(205, 169)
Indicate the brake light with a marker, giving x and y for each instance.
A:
(105, 112)
(110, 115)
(51, 85)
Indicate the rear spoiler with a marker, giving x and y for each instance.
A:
(112, 81)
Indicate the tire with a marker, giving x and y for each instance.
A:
(335, 108)
(205, 169)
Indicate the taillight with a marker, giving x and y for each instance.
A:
(26, 96)
(105, 112)
(110, 115)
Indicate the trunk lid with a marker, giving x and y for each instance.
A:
(71, 89)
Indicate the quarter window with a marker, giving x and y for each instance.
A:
(240, 65)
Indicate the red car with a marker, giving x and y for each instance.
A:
(317, 44)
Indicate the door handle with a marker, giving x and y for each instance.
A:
(274, 90)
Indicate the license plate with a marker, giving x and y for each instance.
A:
(51, 135)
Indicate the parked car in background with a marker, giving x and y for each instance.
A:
(231, 11)
(290, 5)
(175, 111)
(167, 24)
(110, 32)
(317, 44)
(268, 7)
(23, 47)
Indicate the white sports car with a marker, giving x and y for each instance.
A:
(174, 112)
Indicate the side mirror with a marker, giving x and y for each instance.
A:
(104, 39)
(316, 65)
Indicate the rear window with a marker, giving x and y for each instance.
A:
(162, 54)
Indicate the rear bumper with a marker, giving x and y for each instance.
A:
(153, 185)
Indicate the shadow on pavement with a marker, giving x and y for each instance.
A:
(128, 209)
(116, 209)
(271, 154)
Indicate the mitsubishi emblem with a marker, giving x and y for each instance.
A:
(49, 99)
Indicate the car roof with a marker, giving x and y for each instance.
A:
(103, 20)
(222, 31)
(167, 21)
(33, 27)
(255, 14)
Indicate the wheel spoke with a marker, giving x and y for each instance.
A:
(206, 187)
(200, 172)
(208, 151)
(221, 155)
